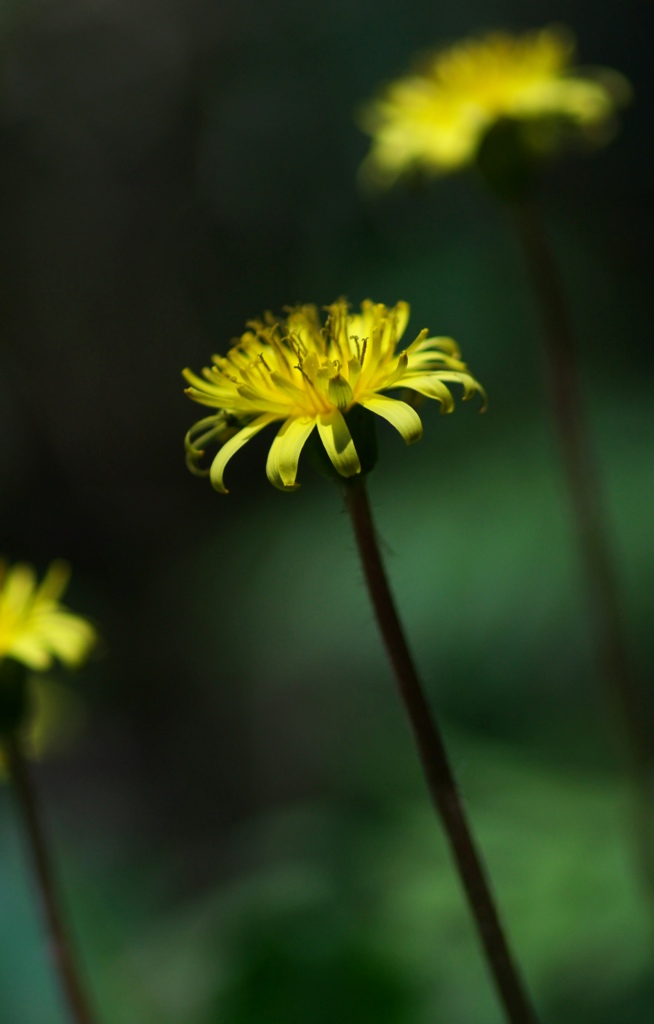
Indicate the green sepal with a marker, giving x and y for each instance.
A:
(511, 154)
(362, 426)
(14, 697)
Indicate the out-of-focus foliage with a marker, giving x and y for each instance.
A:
(350, 908)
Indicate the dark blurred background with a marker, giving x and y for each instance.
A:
(243, 832)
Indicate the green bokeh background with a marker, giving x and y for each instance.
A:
(241, 826)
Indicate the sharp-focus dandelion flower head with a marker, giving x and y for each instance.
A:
(435, 119)
(35, 628)
(308, 372)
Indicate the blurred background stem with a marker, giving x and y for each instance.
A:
(60, 945)
(435, 763)
(624, 693)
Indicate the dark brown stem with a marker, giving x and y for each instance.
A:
(623, 691)
(60, 946)
(440, 779)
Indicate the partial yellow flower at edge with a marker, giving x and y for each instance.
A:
(35, 628)
(435, 119)
(308, 375)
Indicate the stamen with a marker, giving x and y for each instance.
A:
(306, 376)
(363, 351)
(338, 324)
(279, 349)
(297, 345)
(297, 351)
(230, 357)
(264, 362)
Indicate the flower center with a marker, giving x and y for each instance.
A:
(309, 370)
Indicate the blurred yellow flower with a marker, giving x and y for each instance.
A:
(310, 374)
(435, 119)
(34, 627)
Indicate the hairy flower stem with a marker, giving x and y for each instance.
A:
(438, 772)
(624, 694)
(60, 945)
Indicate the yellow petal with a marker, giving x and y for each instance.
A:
(213, 401)
(398, 318)
(419, 341)
(65, 635)
(354, 370)
(18, 590)
(211, 428)
(394, 375)
(423, 343)
(30, 649)
(469, 384)
(284, 453)
(54, 582)
(232, 446)
(193, 379)
(399, 414)
(287, 386)
(254, 401)
(428, 362)
(430, 386)
(340, 392)
(338, 443)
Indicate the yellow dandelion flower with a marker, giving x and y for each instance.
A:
(308, 374)
(34, 627)
(435, 119)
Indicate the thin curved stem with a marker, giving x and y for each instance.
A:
(438, 773)
(60, 945)
(624, 693)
